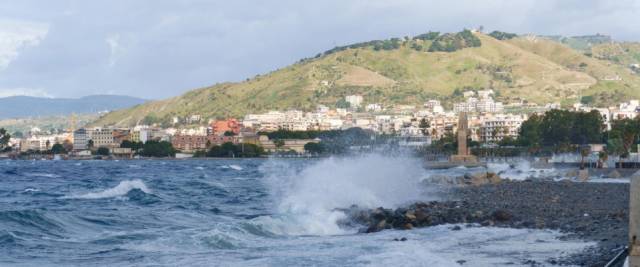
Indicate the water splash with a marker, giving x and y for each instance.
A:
(306, 199)
(520, 170)
(120, 190)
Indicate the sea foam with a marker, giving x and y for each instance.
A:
(306, 200)
(120, 190)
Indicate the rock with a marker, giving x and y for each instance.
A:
(501, 215)
(410, 216)
(614, 174)
(487, 223)
(421, 216)
(571, 173)
(377, 227)
(478, 214)
(583, 175)
(407, 226)
(456, 228)
(493, 178)
(461, 262)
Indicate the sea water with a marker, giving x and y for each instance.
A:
(262, 212)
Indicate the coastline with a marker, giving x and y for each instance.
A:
(595, 212)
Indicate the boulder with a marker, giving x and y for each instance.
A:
(410, 216)
(571, 173)
(614, 174)
(501, 215)
(583, 175)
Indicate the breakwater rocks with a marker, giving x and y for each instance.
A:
(589, 211)
(427, 214)
(478, 178)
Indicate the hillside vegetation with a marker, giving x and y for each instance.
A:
(408, 71)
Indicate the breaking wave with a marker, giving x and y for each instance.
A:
(306, 199)
(120, 190)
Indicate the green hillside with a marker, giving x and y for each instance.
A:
(407, 71)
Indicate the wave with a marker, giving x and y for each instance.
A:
(307, 200)
(232, 166)
(30, 221)
(235, 167)
(40, 174)
(520, 170)
(121, 189)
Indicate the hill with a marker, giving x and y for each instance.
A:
(27, 106)
(409, 71)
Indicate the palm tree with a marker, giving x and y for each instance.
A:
(584, 152)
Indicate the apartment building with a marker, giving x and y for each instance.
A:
(494, 128)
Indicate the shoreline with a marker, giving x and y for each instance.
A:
(595, 212)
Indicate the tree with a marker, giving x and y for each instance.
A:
(603, 156)
(626, 132)
(556, 127)
(150, 119)
(67, 145)
(47, 144)
(135, 146)
(315, 148)
(279, 143)
(90, 144)
(232, 150)
(18, 134)
(4, 138)
(615, 147)
(424, 124)
(587, 127)
(427, 36)
(584, 152)
(102, 151)
(342, 103)
(154, 148)
(502, 35)
(58, 149)
(588, 99)
(229, 133)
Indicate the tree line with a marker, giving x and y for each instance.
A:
(563, 130)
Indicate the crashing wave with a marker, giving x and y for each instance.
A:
(308, 200)
(120, 190)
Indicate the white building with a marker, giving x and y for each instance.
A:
(434, 106)
(374, 107)
(484, 105)
(484, 94)
(355, 101)
(496, 127)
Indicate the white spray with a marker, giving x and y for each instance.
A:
(306, 200)
(120, 190)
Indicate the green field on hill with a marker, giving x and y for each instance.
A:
(413, 70)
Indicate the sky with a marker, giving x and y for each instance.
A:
(156, 49)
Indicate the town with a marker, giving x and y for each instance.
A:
(490, 123)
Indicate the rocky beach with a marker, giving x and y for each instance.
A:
(595, 212)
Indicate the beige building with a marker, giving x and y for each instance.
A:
(102, 137)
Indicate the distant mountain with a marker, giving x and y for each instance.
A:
(27, 106)
(413, 70)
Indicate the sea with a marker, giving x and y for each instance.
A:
(239, 212)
